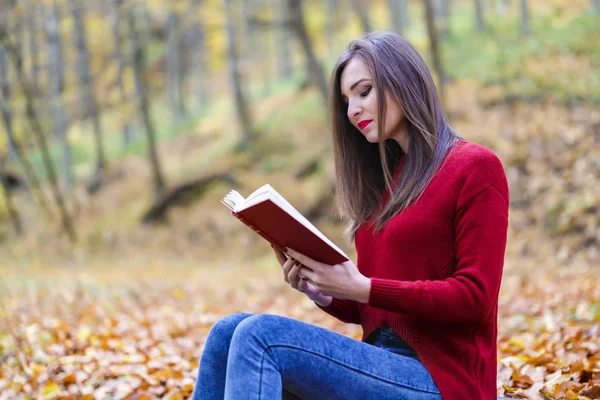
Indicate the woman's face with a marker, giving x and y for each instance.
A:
(358, 92)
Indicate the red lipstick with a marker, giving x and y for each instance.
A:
(363, 124)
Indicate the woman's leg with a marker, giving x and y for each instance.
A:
(270, 353)
(210, 384)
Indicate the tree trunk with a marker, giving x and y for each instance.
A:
(445, 14)
(10, 206)
(34, 51)
(264, 52)
(331, 25)
(174, 71)
(139, 69)
(18, 29)
(115, 17)
(479, 15)
(314, 69)
(246, 48)
(394, 7)
(196, 47)
(33, 184)
(525, 29)
(38, 133)
(13, 147)
(235, 82)
(435, 50)
(404, 13)
(284, 64)
(88, 96)
(55, 65)
(363, 14)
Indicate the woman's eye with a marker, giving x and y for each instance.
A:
(366, 92)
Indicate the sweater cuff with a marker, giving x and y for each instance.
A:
(331, 306)
(382, 291)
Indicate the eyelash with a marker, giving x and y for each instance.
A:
(363, 94)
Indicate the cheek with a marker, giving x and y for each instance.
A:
(393, 118)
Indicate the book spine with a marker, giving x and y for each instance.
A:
(261, 233)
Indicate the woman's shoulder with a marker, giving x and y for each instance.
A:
(476, 167)
(470, 154)
(466, 157)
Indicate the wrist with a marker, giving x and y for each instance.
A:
(364, 290)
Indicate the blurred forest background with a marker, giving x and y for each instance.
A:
(124, 122)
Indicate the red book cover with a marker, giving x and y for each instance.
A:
(282, 230)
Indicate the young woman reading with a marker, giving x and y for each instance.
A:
(428, 214)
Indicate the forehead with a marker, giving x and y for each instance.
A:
(355, 69)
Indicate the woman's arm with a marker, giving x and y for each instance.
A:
(471, 293)
(481, 226)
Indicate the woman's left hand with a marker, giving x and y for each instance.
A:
(342, 281)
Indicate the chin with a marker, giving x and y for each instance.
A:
(372, 138)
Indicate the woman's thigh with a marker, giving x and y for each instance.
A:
(316, 363)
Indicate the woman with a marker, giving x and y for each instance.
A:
(429, 218)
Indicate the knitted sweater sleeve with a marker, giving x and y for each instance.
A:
(344, 310)
(481, 224)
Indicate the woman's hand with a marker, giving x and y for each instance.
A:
(290, 274)
(342, 281)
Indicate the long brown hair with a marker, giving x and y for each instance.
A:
(364, 169)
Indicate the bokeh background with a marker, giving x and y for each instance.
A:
(124, 122)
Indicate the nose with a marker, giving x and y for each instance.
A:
(354, 111)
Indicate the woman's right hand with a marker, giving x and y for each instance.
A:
(290, 274)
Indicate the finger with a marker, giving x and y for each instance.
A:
(309, 262)
(280, 256)
(308, 274)
(303, 285)
(287, 265)
(293, 275)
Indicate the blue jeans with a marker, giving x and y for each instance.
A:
(267, 356)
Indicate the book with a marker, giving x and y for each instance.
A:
(270, 215)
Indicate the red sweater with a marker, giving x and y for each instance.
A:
(435, 272)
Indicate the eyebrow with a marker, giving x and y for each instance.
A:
(356, 83)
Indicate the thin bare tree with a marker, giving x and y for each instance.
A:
(314, 69)
(241, 105)
(284, 62)
(139, 68)
(195, 45)
(362, 11)
(525, 28)
(434, 46)
(174, 70)
(32, 182)
(56, 68)
(398, 10)
(34, 51)
(479, 15)
(445, 17)
(115, 18)
(88, 95)
(37, 131)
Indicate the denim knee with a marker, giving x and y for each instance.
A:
(223, 329)
(258, 327)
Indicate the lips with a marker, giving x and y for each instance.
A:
(363, 124)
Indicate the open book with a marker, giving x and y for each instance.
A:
(270, 215)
